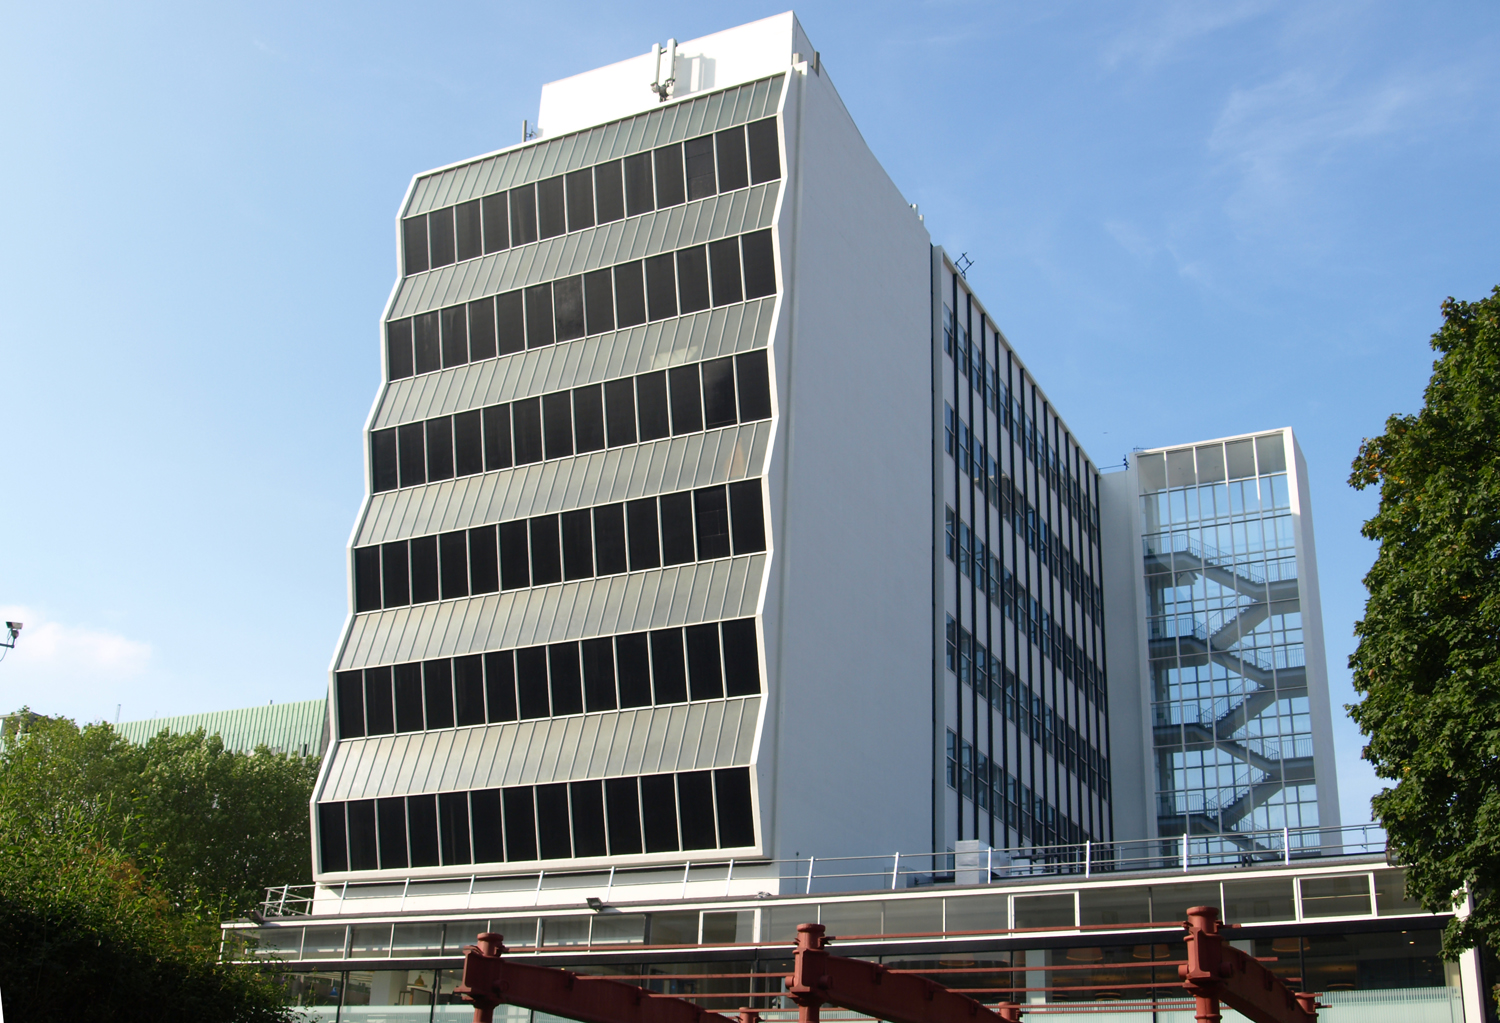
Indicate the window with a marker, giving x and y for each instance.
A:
(765, 151)
(551, 216)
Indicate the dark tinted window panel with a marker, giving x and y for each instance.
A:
(468, 690)
(669, 190)
(747, 517)
(587, 798)
(421, 819)
(598, 674)
(363, 846)
(724, 262)
(367, 595)
(553, 840)
(711, 519)
(651, 405)
(676, 528)
(384, 473)
(687, 400)
(588, 418)
(609, 192)
(496, 222)
(622, 802)
(531, 682)
(695, 802)
(578, 545)
(500, 685)
(765, 151)
(619, 411)
(408, 697)
(398, 360)
(510, 322)
(520, 824)
(496, 437)
(598, 302)
(523, 215)
(424, 569)
(414, 243)
(567, 680)
(546, 551)
(705, 678)
(557, 423)
(391, 814)
(469, 230)
(427, 343)
(759, 264)
(661, 287)
(515, 563)
(741, 658)
(489, 832)
(441, 249)
(333, 838)
(580, 188)
(440, 448)
(539, 316)
(692, 279)
(453, 827)
(640, 521)
(699, 155)
(468, 443)
(482, 329)
(351, 692)
(455, 323)
(453, 564)
(718, 393)
(526, 430)
(380, 705)
(395, 574)
(732, 794)
(754, 385)
(609, 539)
(437, 686)
(633, 665)
(567, 295)
(638, 191)
(734, 172)
(551, 218)
(659, 812)
(667, 670)
(630, 295)
(484, 560)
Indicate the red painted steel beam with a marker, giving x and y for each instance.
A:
(490, 980)
(821, 978)
(1217, 972)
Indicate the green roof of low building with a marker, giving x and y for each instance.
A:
(285, 727)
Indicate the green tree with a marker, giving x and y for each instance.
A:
(1427, 664)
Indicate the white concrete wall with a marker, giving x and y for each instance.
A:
(1132, 771)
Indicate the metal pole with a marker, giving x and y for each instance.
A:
(1088, 857)
(1184, 852)
(895, 869)
(537, 901)
(728, 878)
(810, 861)
(685, 868)
(1286, 846)
(608, 885)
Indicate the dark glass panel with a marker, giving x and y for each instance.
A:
(428, 343)
(588, 818)
(384, 474)
(484, 560)
(455, 323)
(741, 658)
(510, 322)
(661, 286)
(699, 155)
(496, 437)
(440, 448)
(724, 261)
(551, 219)
(557, 423)
(668, 673)
(695, 802)
(552, 822)
(580, 190)
(500, 685)
(567, 295)
(622, 798)
(468, 443)
(609, 539)
(366, 579)
(496, 222)
(351, 694)
(398, 360)
(414, 244)
(421, 819)
(718, 393)
(391, 814)
(380, 706)
(424, 569)
(705, 676)
(630, 295)
(453, 564)
(734, 172)
(645, 547)
(692, 278)
(759, 264)
(469, 233)
(523, 215)
(588, 418)
(539, 316)
(638, 191)
(609, 192)
(676, 528)
(598, 301)
(578, 545)
(408, 697)
(441, 249)
(687, 399)
(520, 824)
(468, 690)
(651, 404)
(619, 411)
(363, 845)
(746, 515)
(482, 329)
(515, 565)
(754, 384)
(333, 837)
(531, 682)
(567, 682)
(526, 429)
(669, 190)
(633, 661)
(659, 812)
(765, 151)
(489, 833)
(437, 688)
(453, 827)
(732, 794)
(711, 517)
(546, 551)
(599, 674)
(395, 574)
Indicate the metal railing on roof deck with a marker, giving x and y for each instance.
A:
(810, 874)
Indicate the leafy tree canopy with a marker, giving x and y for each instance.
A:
(1427, 664)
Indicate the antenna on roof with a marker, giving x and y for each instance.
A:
(963, 262)
(666, 70)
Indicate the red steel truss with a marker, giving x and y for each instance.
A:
(1218, 972)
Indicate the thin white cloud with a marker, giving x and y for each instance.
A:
(63, 668)
(1173, 26)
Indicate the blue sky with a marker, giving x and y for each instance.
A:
(1192, 220)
